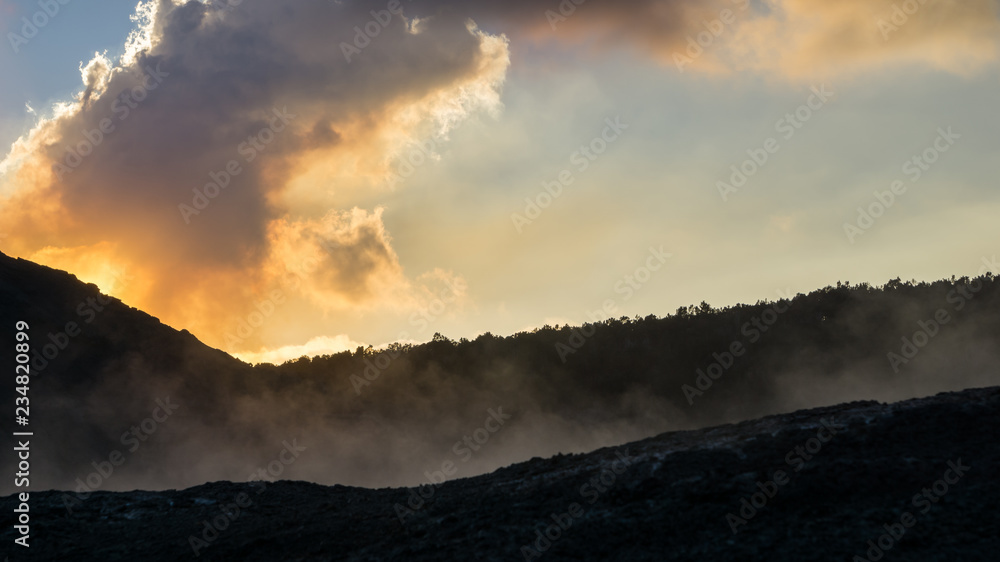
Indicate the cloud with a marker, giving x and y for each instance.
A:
(652, 25)
(355, 237)
(322, 345)
(202, 157)
(787, 39)
(813, 38)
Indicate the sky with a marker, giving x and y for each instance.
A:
(302, 177)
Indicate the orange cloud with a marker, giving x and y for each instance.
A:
(813, 39)
(200, 161)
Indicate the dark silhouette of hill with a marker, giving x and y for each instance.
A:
(912, 481)
(391, 417)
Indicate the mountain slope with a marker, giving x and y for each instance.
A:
(98, 367)
(375, 418)
(670, 502)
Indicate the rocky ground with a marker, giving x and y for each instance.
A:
(845, 473)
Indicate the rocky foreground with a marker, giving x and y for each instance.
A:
(917, 480)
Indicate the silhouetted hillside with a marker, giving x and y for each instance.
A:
(824, 482)
(389, 417)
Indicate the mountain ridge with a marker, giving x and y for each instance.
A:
(420, 406)
(671, 501)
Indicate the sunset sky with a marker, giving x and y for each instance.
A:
(378, 165)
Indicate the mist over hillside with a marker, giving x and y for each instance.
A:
(911, 481)
(110, 383)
